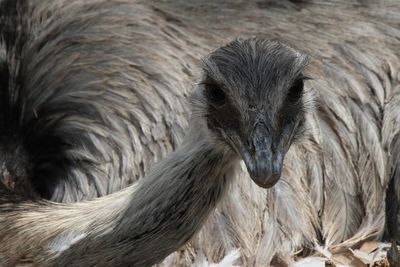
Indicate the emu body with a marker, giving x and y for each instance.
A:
(134, 62)
(138, 226)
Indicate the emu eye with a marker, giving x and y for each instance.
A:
(215, 94)
(296, 91)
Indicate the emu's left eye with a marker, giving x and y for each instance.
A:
(215, 94)
(296, 91)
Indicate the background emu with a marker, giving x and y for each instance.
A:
(134, 53)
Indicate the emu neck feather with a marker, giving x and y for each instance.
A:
(137, 226)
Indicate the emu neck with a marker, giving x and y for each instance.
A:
(165, 209)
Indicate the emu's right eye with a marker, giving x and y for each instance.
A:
(215, 94)
(296, 91)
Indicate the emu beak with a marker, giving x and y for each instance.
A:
(263, 164)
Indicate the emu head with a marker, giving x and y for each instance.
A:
(252, 99)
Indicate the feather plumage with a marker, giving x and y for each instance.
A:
(334, 185)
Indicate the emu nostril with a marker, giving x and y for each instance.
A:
(250, 146)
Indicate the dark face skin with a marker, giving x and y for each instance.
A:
(254, 90)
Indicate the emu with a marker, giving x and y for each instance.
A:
(95, 93)
(145, 222)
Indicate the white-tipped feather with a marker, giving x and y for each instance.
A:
(227, 261)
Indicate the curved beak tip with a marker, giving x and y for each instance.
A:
(266, 181)
(263, 159)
